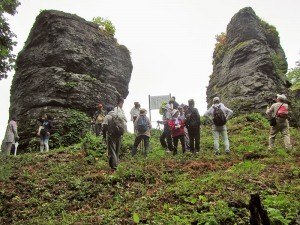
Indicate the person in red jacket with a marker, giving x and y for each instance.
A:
(176, 125)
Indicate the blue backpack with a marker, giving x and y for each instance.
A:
(142, 124)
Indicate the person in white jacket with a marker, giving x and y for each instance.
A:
(11, 136)
(120, 112)
(219, 129)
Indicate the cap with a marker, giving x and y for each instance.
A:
(143, 111)
(174, 111)
(282, 97)
(216, 99)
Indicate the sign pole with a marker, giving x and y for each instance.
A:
(149, 109)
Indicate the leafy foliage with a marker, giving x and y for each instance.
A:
(74, 185)
(294, 76)
(75, 125)
(280, 64)
(6, 37)
(105, 24)
(220, 47)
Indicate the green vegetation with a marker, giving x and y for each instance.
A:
(220, 48)
(105, 24)
(280, 64)
(294, 76)
(74, 185)
(270, 31)
(7, 59)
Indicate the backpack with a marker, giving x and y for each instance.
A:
(192, 119)
(117, 126)
(142, 124)
(282, 112)
(219, 118)
(99, 119)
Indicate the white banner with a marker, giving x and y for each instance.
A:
(155, 101)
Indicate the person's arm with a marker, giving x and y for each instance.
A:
(105, 127)
(209, 112)
(228, 112)
(270, 110)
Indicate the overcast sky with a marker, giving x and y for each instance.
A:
(171, 41)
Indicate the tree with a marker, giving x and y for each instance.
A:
(294, 76)
(105, 24)
(7, 59)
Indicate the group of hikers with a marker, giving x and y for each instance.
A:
(181, 123)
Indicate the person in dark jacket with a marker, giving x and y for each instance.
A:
(113, 142)
(142, 126)
(44, 131)
(193, 126)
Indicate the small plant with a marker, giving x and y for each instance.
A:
(220, 47)
(105, 24)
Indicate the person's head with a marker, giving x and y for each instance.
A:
(100, 106)
(216, 100)
(173, 99)
(109, 108)
(143, 111)
(281, 98)
(175, 113)
(137, 105)
(120, 102)
(191, 102)
(185, 107)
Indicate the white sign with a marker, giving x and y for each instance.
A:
(156, 101)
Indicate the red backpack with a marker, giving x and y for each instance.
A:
(282, 112)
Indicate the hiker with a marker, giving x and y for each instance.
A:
(44, 131)
(279, 111)
(182, 109)
(120, 113)
(135, 111)
(173, 103)
(166, 113)
(112, 139)
(11, 136)
(193, 126)
(220, 114)
(177, 131)
(98, 119)
(143, 126)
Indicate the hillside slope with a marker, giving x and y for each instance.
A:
(74, 185)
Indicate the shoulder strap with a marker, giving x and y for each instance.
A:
(278, 109)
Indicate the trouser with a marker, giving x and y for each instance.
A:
(98, 129)
(166, 135)
(6, 148)
(194, 136)
(186, 139)
(113, 145)
(137, 141)
(217, 131)
(283, 127)
(175, 142)
(44, 143)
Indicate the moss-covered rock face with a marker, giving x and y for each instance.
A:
(69, 126)
(249, 64)
(66, 63)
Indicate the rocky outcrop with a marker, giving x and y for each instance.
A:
(249, 64)
(67, 63)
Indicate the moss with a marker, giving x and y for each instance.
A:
(270, 31)
(279, 63)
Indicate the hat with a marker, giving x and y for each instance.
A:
(143, 111)
(281, 97)
(216, 99)
(109, 108)
(174, 111)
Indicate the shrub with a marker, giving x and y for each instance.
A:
(105, 24)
